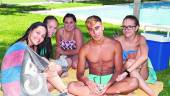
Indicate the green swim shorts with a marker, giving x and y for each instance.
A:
(103, 79)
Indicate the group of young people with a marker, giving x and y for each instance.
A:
(116, 65)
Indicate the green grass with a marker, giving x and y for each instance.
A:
(15, 20)
(164, 76)
(104, 2)
(7, 9)
(68, 5)
(20, 1)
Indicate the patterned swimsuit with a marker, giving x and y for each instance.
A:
(68, 44)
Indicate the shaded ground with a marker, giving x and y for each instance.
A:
(8, 9)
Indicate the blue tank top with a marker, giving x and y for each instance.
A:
(126, 53)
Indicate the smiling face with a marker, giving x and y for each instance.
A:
(36, 36)
(129, 27)
(69, 24)
(52, 27)
(95, 30)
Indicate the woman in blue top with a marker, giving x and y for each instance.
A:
(135, 53)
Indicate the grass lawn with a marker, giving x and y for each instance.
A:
(21, 1)
(15, 20)
(105, 2)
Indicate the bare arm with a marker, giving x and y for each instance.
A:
(81, 66)
(143, 48)
(59, 51)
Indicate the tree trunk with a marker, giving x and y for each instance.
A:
(1, 2)
(136, 8)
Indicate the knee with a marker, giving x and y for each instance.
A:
(55, 67)
(50, 87)
(69, 61)
(74, 64)
(134, 83)
(71, 87)
(59, 69)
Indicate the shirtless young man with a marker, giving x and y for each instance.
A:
(105, 64)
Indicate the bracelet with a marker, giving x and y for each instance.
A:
(127, 73)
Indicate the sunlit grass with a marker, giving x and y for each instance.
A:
(21, 1)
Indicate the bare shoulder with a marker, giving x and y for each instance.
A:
(141, 39)
(85, 47)
(114, 43)
(60, 30)
(77, 30)
(119, 38)
(78, 33)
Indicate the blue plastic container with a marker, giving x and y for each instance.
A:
(159, 50)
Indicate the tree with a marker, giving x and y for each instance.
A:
(1, 2)
(136, 8)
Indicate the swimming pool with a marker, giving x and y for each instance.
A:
(156, 13)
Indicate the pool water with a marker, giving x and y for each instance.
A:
(156, 13)
(157, 33)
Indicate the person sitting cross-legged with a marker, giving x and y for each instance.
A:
(104, 57)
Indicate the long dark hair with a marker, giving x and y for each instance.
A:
(50, 17)
(45, 48)
(30, 29)
(132, 17)
(70, 15)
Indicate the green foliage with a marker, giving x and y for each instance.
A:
(164, 76)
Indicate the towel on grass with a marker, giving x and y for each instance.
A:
(152, 78)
